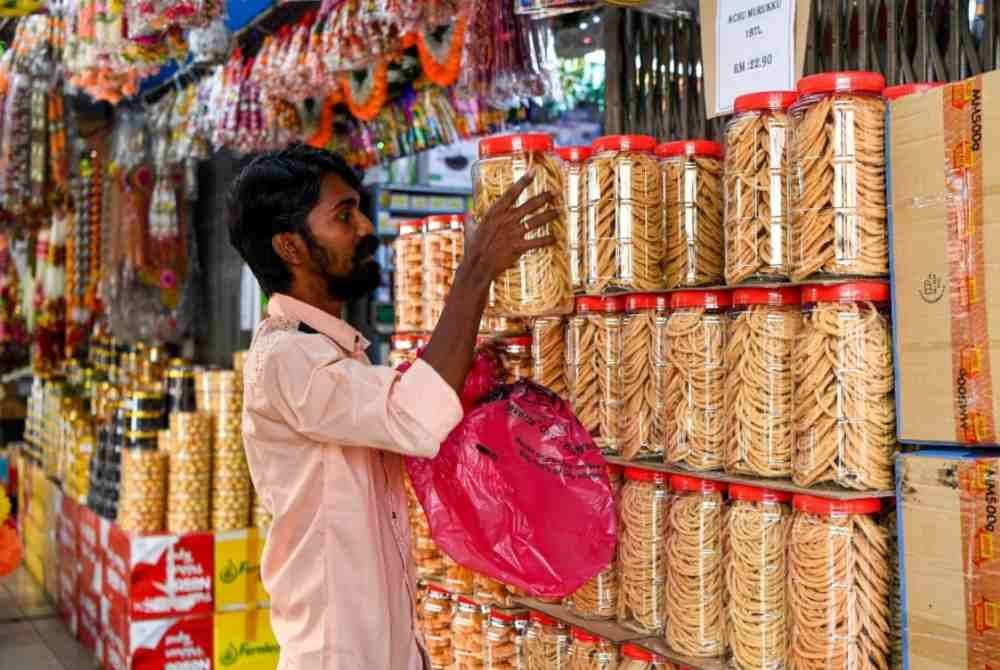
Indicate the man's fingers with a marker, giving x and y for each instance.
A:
(539, 220)
(532, 205)
(536, 243)
(510, 196)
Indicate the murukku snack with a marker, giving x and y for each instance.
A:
(575, 199)
(642, 552)
(592, 652)
(467, 635)
(503, 644)
(639, 376)
(594, 368)
(548, 353)
(434, 616)
(443, 249)
(408, 281)
(546, 643)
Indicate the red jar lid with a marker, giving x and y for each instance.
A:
(757, 494)
(856, 291)
(903, 90)
(405, 340)
(410, 227)
(585, 636)
(442, 221)
(696, 484)
(842, 82)
(690, 148)
(643, 475)
(639, 301)
(624, 143)
(574, 154)
(765, 100)
(776, 297)
(588, 304)
(506, 617)
(708, 299)
(637, 653)
(542, 618)
(466, 600)
(516, 341)
(437, 588)
(829, 506)
(501, 145)
(615, 470)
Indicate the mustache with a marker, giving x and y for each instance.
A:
(367, 246)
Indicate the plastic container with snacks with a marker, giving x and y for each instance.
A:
(434, 616)
(503, 634)
(893, 93)
(694, 399)
(691, 182)
(642, 552)
(696, 617)
(548, 352)
(639, 372)
(457, 578)
(494, 325)
(635, 657)
(428, 560)
(539, 283)
(594, 370)
(575, 199)
(625, 241)
(443, 247)
(516, 355)
(845, 417)
(598, 597)
(763, 328)
(408, 281)
(489, 591)
(838, 584)
(756, 182)
(756, 576)
(837, 158)
(467, 635)
(403, 348)
(592, 652)
(546, 643)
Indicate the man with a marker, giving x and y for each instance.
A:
(323, 428)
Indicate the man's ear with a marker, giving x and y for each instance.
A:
(289, 248)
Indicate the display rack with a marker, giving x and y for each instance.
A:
(400, 201)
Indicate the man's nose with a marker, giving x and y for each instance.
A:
(365, 226)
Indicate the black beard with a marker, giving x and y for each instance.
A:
(364, 277)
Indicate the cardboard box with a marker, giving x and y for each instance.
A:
(159, 576)
(245, 641)
(89, 552)
(949, 544)
(237, 570)
(154, 644)
(945, 236)
(89, 609)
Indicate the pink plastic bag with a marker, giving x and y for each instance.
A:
(520, 493)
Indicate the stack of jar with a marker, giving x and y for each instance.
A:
(427, 558)
(188, 444)
(443, 248)
(220, 395)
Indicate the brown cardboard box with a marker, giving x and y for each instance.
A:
(950, 559)
(944, 160)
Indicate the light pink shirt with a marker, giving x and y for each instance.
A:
(323, 430)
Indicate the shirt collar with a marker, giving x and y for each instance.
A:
(281, 305)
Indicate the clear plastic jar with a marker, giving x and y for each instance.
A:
(594, 370)
(763, 328)
(467, 635)
(642, 554)
(489, 591)
(504, 640)
(639, 375)
(757, 186)
(845, 413)
(598, 597)
(837, 158)
(435, 614)
(694, 402)
(592, 652)
(403, 348)
(691, 181)
(428, 560)
(696, 617)
(443, 247)
(625, 241)
(457, 578)
(515, 353)
(548, 353)
(546, 643)
(539, 283)
(408, 281)
(635, 657)
(756, 575)
(838, 585)
(575, 199)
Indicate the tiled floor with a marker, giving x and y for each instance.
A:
(31, 635)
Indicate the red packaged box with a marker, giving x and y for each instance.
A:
(89, 630)
(159, 576)
(88, 550)
(69, 524)
(154, 644)
(68, 591)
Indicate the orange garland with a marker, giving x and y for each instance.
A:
(444, 73)
(368, 109)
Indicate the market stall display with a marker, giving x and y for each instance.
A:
(546, 643)
(434, 617)
(640, 375)
(548, 353)
(574, 161)
(467, 635)
(443, 247)
(503, 634)
(594, 368)
(598, 598)
(409, 277)
(591, 652)
(642, 551)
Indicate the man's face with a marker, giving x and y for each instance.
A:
(341, 242)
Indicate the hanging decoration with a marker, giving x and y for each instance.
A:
(440, 49)
(366, 91)
(14, 338)
(49, 299)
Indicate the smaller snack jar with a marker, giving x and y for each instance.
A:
(548, 353)
(435, 615)
(691, 178)
(408, 277)
(546, 643)
(503, 647)
(592, 652)
(403, 348)
(845, 410)
(443, 247)
(694, 399)
(639, 375)
(635, 657)
(625, 242)
(642, 553)
(575, 199)
(515, 353)
(838, 584)
(539, 282)
(467, 635)
(757, 188)
(696, 617)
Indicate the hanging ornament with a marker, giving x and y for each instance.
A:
(366, 91)
(440, 50)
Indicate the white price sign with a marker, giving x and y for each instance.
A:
(754, 49)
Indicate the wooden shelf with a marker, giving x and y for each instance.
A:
(751, 284)
(822, 491)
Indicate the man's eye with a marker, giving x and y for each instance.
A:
(345, 216)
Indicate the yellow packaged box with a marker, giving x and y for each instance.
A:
(237, 570)
(245, 641)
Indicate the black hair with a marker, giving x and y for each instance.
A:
(274, 194)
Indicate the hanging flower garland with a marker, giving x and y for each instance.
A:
(440, 50)
(366, 91)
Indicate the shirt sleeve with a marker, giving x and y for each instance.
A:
(329, 399)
